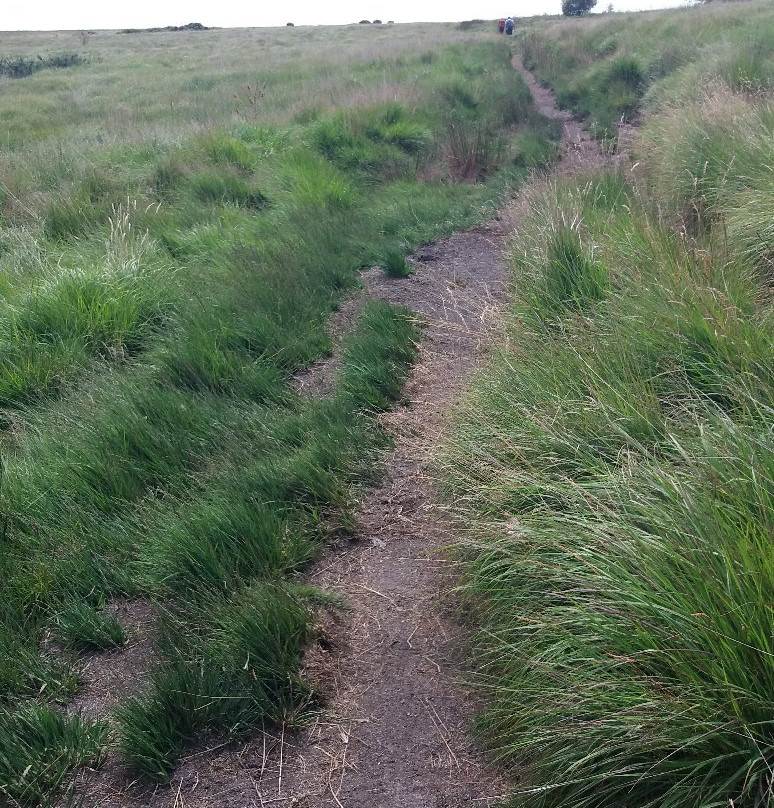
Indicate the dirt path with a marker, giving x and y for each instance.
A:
(395, 732)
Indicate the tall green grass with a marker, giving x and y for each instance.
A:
(713, 162)
(613, 465)
(38, 746)
(606, 68)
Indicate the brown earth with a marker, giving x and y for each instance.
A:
(396, 728)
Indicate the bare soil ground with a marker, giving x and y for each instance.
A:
(395, 731)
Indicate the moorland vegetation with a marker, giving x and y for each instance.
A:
(179, 216)
(614, 460)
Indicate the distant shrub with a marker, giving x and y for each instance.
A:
(22, 66)
(467, 25)
(577, 8)
(365, 22)
(191, 26)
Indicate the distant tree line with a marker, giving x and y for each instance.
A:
(191, 26)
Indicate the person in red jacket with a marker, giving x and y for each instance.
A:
(500, 26)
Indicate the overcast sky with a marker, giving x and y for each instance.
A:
(25, 15)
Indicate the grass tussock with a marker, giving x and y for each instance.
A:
(31, 736)
(394, 264)
(378, 356)
(614, 466)
(237, 673)
(713, 162)
(82, 627)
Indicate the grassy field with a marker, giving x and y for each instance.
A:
(611, 66)
(180, 213)
(615, 459)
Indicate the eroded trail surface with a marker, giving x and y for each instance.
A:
(395, 732)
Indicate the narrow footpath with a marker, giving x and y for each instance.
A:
(396, 726)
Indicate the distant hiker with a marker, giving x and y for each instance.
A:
(509, 26)
(500, 26)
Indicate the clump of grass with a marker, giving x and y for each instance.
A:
(84, 628)
(473, 150)
(708, 155)
(394, 263)
(226, 150)
(70, 316)
(533, 151)
(69, 218)
(572, 280)
(376, 359)
(394, 125)
(23, 671)
(227, 190)
(39, 746)
(408, 136)
(18, 67)
(239, 673)
(648, 691)
(316, 182)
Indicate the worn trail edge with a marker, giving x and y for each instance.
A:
(396, 727)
